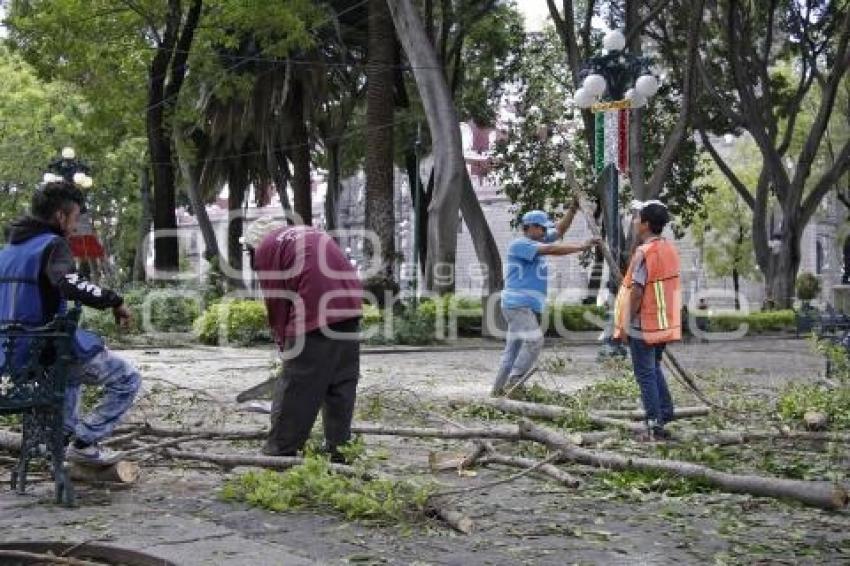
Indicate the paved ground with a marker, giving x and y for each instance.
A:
(173, 512)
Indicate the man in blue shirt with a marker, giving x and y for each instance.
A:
(524, 296)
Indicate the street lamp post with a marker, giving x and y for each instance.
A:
(84, 243)
(613, 82)
(417, 198)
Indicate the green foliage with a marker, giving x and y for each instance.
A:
(241, 322)
(314, 484)
(573, 317)
(797, 398)
(409, 327)
(635, 481)
(154, 310)
(808, 287)
(724, 229)
(837, 357)
(758, 322)
(450, 311)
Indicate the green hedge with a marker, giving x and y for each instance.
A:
(242, 322)
(758, 322)
(168, 312)
(572, 317)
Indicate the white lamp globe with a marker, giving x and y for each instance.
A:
(614, 40)
(594, 84)
(582, 98)
(636, 99)
(79, 177)
(646, 85)
(49, 177)
(87, 182)
(68, 153)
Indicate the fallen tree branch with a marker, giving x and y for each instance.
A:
(639, 415)
(230, 461)
(19, 556)
(503, 432)
(825, 495)
(555, 412)
(454, 519)
(534, 467)
(545, 468)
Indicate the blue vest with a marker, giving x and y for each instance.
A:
(20, 295)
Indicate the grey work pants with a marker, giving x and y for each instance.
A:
(523, 347)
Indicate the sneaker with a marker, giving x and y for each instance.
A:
(91, 454)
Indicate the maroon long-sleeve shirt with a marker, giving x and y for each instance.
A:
(307, 281)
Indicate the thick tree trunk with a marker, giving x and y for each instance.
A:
(449, 167)
(166, 248)
(380, 185)
(300, 157)
(140, 259)
(168, 62)
(334, 187)
(235, 199)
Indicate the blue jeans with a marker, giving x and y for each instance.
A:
(654, 393)
(524, 343)
(120, 382)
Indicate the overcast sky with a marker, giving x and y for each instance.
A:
(536, 13)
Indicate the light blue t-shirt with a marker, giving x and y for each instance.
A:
(526, 274)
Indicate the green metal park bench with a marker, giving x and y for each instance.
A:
(34, 366)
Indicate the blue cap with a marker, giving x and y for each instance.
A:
(537, 217)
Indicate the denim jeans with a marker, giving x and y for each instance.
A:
(523, 347)
(120, 381)
(654, 393)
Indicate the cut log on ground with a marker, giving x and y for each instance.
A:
(825, 495)
(455, 519)
(639, 415)
(124, 472)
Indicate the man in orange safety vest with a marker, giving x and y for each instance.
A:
(648, 311)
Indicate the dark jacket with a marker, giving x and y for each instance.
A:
(58, 278)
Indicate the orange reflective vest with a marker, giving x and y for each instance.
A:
(661, 305)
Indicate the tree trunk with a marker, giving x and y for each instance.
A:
(822, 494)
(334, 187)
(192, 176)
(168, 62)
(736, 286)
(449, 166)
(300, 157)
(235, 199)
(140, 260)
(380, 185)
(123, 472)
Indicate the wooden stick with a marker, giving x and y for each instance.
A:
(547, 469)
(455, 519)
(822, 494)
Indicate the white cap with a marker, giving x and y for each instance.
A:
(258, 230)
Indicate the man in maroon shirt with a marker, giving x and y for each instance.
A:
(313, 297)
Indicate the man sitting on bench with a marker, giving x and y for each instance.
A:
(37, 278)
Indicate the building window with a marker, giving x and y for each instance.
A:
(818, 257)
